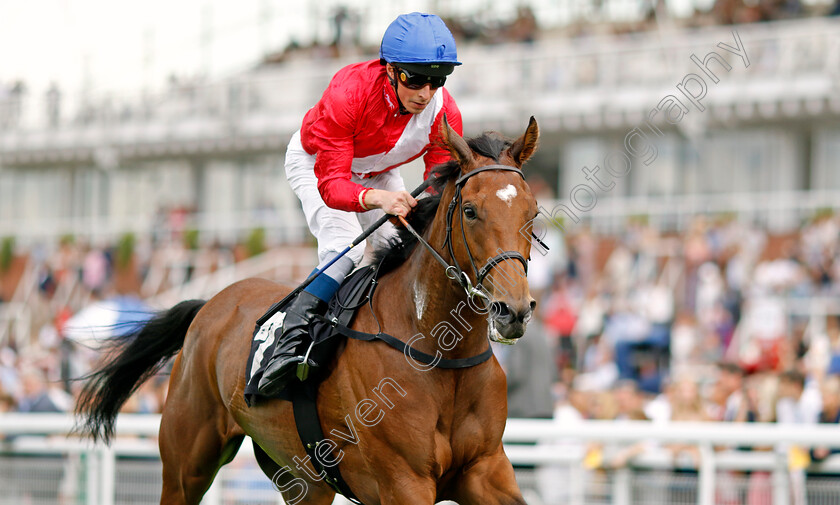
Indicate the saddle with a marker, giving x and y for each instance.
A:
(352, 295)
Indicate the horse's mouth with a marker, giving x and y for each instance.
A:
(509, 335)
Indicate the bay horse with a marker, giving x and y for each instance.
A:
(400, 433)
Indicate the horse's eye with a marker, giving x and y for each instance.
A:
(470, 213)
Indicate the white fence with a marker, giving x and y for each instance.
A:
(554, 464)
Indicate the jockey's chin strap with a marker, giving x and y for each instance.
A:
(403, 110)
(454, 271)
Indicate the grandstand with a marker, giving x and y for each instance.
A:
(689, 192)
(216, 148)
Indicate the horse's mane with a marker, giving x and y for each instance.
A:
(490, 145)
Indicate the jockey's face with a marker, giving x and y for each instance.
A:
(414, 100)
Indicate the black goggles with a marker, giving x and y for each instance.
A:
(417, 81)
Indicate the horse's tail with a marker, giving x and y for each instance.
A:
(133, 359)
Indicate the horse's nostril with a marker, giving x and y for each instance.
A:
(501, 312)
(526, 314)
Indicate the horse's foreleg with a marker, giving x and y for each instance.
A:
(294, 490)
(490, 481)
(400, 486)
(406, 491)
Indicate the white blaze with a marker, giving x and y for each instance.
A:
(506, 194)
(419, 301)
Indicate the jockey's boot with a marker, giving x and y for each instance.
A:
(292, 344)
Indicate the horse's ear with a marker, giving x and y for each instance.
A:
(525, 145)
(456, 144)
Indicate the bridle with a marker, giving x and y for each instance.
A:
(454, 270)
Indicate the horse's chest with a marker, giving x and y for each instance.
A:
(467, 438)
(473, 434)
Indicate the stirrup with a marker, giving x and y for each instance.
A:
(302, 371)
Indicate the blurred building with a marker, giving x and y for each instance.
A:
(107, 165)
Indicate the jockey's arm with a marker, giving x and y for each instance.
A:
(339, 192)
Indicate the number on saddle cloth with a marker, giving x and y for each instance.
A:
(350, 296)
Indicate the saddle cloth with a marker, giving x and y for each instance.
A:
(352, 294)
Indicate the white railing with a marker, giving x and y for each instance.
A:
(549, 445)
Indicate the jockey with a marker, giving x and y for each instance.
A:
(342, 163)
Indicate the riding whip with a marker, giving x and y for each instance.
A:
(370, 229)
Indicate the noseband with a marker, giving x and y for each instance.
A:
(454, 271)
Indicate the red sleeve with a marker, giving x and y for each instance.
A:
(437, 154)
(328, 132)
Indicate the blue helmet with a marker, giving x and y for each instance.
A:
(421, 41)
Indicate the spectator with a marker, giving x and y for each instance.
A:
(530, 374)
(524, 27)
(686, 406)
(9, 373)
(686, 402)
(793, 406)
(626, 329)
(16, 97)
(599, 368)
(53, 106)
(39, 396)
(650, 374)
(560, 317)
(830, 414)
(629, 401)
(570, 409)
(7, 403)
(729, 389)
(95, 271)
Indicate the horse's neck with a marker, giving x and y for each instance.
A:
(432, 305)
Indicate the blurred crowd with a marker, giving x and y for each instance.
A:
(585, 17)
(664, 309)
(656, 310)
(744, 11)
(723, 322)
(37, 374)
(668, 313)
